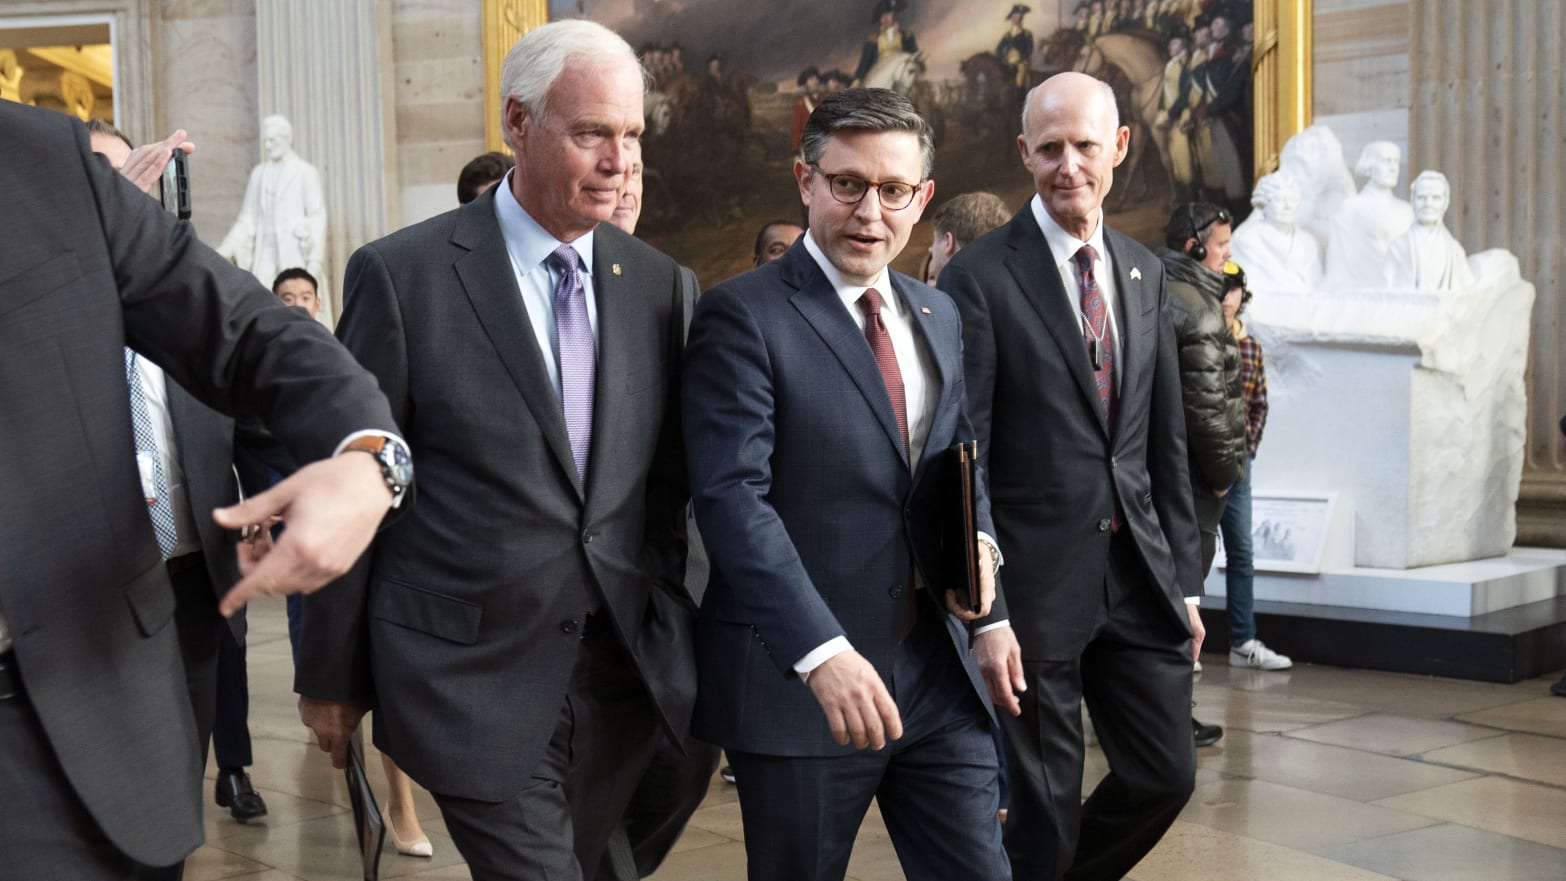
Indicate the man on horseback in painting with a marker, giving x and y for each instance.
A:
(889, 37)
(1015, 49)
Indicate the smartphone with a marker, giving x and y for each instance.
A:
(176, 186)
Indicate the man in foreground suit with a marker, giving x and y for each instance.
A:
(526, 625)
(1074, 388)
(98, 769)
(819, 391)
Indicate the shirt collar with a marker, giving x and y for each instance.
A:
(1063, 246)
(848, 293)
(529, 243)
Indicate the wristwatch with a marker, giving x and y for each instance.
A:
(393, 457)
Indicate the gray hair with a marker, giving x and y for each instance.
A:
(539, 57)
(1108, 96)
(1431, 176)
(1273, 185)
(867, 110)
(1368, 156)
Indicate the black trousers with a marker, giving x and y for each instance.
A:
(669, 793)
(559, 825)
(937, 787)
(231, 725)
(1135, 676)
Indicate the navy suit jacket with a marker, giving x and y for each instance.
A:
(803, 493)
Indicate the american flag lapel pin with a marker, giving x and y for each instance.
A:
(615, 268)
(1135, 273)
(925, 309)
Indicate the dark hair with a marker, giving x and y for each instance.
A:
(479, 173)
(806, 74)
(1187, 221)
(97, 126)
(969, 216)
(867, 110)
(293, 273)
(761, 234)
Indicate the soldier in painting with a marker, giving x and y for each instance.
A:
(1015, 49)
(888, 37)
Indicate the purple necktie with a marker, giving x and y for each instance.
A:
(575, 356)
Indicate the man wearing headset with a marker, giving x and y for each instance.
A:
(1198, 236)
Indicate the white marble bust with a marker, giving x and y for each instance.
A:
(282, 222)
(1315, 158)
(1276, 252)
(1363, 228)
(1426, 256)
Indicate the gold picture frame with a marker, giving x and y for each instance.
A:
(1281, 74)
(505, 21)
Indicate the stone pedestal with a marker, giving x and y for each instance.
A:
(1410, 404)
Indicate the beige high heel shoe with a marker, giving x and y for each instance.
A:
(417, 846)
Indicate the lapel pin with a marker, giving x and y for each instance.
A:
(925, 309)
(615, 268)
(1135, 273)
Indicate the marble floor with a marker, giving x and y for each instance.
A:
(1325, 774)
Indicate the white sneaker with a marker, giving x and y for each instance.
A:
(1257, 656)
(1197, 667)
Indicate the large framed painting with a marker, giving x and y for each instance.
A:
(731, 83)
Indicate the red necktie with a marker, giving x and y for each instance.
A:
(885, 358)
(1097, 334)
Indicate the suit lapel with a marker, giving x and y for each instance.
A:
(820, 306)
(1129, 315)
(491, 286)
(621, 348)
(1033, 266)
(939, 339)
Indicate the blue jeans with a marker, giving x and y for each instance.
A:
(1240, 570)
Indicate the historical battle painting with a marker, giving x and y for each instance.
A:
(732, 84)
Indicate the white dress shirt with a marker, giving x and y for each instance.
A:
(529, 247)
(1063, 247)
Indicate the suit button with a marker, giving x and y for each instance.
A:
(896, 592)
(1103, 525)
(587, 537)
(568, 626)
(1112, 463)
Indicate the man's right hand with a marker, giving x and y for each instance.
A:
(855, 700)
(333, 723)
(144, 166)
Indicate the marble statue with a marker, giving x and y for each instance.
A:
(1427, 256)
(1314, 157)
(1275, 251)
(1364, 226)
(282, 222)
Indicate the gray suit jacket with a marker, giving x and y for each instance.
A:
(205, 441)
(1056, 469)
(467, 613)
(97, 266)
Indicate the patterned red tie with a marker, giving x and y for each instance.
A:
(1096, 333)
(886, 359)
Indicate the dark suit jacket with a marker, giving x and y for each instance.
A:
(803, 491)
(95, 266)
(1055, 472)
(471, 605)
(205, 441)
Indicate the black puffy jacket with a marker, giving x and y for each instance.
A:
(1209, 372)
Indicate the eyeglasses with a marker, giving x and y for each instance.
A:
(849, 189)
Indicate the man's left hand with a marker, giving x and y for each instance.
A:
(1000, 660)
(959, 606)
(145, 164)
(1198, 632)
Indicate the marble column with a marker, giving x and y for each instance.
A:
(327, 68)
(1489, 92)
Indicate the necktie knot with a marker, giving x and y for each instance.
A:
(870, 301)
(565, 260)
(1084, 257)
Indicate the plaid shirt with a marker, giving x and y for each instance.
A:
(1253, 387)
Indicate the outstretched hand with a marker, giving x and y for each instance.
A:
(331, 509)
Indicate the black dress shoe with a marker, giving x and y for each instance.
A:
(234, 792)
(1559, 687)
(1206, 735)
